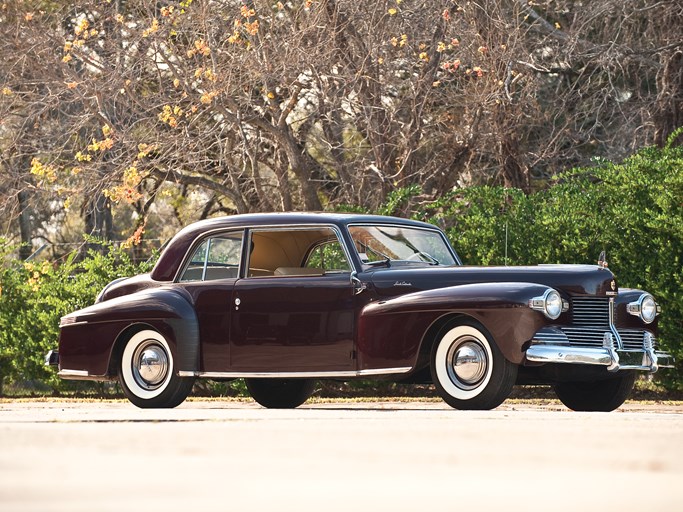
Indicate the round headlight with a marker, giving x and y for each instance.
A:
(648, 309)
(553, 304)
(645, 308)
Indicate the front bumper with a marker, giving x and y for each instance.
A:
(614, 359)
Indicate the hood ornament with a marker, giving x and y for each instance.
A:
(602, 260)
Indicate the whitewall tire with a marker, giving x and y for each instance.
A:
(147, 372)
(468, 369)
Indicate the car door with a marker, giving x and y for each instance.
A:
(209, 277)
(294, 310)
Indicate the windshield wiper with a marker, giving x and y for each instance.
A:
(430, 259)
(424, 257)
(386, 261)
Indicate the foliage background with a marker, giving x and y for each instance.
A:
(571, 222)
(33, 297)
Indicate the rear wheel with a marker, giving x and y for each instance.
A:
(602, 395)
(280, 393)
(147, 372)
(468, 369)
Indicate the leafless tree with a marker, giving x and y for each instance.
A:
(262, 105)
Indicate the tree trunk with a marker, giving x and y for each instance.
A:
(514, 175)
(98, 219)
(669, 106)
(26, 248)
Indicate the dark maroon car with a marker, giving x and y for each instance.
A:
(284, 299)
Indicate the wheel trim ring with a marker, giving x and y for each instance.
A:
(127, 365)
(466, 362)
(441, 362)
(150, 358)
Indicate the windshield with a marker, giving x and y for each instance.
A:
(388, 244)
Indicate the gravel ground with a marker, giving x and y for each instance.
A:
(338, 455)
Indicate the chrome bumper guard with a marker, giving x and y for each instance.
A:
(614, 359)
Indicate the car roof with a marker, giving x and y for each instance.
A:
(260, 219)
(176, 249)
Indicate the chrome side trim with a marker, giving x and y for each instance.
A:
(613, 358)
(80, 322)
(292, 375)
(84, 375)
(75, 373)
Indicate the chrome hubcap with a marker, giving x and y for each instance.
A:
(150, 365)
(467, 363)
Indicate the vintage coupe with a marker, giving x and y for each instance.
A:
(284, 299)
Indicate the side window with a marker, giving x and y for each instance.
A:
(217, 257)
(296, 251)
(330, 257)
(195, 267)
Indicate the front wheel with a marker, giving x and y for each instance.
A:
(468, 369)
(147, 372)
(601, 396)
(280, 393)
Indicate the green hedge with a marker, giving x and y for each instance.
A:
(33, 297)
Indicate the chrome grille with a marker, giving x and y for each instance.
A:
(591, 312)
(590, 321)
(633, 339)
(585, 336)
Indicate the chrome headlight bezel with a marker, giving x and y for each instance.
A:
(550, 304)
(646, 308)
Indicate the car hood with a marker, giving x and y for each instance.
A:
(570, 279)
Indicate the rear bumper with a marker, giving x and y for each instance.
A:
(52, 358)
(613, 359)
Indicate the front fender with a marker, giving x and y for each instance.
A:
(88, 336)
(394, 331)
(623, 319)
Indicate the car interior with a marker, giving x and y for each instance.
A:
(298, 252)
(273, 252)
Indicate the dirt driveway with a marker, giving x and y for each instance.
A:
(414, 456)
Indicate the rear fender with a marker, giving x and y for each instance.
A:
(90, 338)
